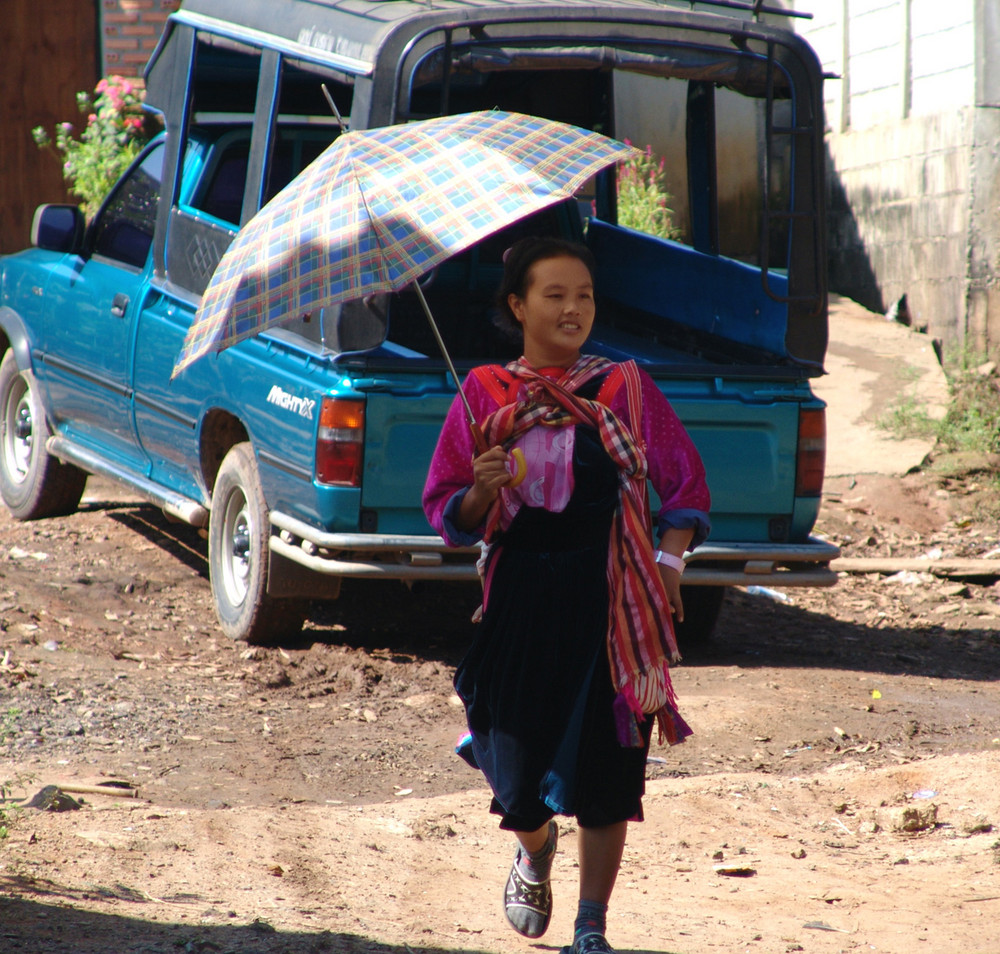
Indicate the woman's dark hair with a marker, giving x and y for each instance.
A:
(517, 263)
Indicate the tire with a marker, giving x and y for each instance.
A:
(702, 605)
(238, 555)
(33, 483)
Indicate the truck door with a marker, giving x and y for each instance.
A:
(89, 307)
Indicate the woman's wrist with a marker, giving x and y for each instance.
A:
(473, 508)
(668, 559)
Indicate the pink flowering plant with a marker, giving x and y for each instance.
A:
(643, 199)
(114, 133)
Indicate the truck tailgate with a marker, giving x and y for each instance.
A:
(749, 452)
(747, 442)
(401, 431)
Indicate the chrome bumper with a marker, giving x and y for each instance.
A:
(428, 557)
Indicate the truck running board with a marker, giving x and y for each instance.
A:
(173, 504)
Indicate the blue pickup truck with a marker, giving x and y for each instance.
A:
(303, 450)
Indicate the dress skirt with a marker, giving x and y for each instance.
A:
(536, 682)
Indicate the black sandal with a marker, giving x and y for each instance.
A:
(589, 944)
(528, 904)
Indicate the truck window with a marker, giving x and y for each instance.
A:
(651, 112)
(729, 146)
(223, 196)
(228, 79)
(124, 228)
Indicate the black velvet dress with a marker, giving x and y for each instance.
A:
(536, 682)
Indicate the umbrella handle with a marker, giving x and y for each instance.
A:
(477, 435)
(517, 455)
(520, 469)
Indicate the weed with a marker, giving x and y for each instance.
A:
(907, 418)
(8, 814)
(971, 422)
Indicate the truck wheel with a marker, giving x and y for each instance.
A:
(33, 483)
(702, 605)
(238, 532)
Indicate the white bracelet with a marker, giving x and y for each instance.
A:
(668, 559)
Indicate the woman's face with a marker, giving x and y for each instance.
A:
(556, 312)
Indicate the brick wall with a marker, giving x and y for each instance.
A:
(129, 32)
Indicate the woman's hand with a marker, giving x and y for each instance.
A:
(490, 473)
(674, 541)
(672, 584)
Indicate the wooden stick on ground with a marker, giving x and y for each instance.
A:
(943, 566)
(118, 790)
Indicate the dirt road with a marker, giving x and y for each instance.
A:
(306, 799)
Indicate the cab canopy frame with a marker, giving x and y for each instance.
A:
(263, 63)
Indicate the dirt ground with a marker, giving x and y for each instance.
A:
(840, 793)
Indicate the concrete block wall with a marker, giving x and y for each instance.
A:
(982, 325)
(912, 159)
(129, 32)
(942, 55)
(900, 217)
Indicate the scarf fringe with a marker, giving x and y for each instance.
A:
(672, 729)
(655, 696)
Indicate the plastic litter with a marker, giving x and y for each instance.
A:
(909, 578)
(768, 592)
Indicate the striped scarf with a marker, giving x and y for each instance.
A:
(641, 642)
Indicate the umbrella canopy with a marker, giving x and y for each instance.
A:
(380, 207)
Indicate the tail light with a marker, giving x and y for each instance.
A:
(810, 461)
(340, 442)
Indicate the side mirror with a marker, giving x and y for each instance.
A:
(58, 228)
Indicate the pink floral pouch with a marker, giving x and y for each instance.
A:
(548, 483)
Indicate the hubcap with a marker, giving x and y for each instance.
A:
(18, 437)
(238, 567)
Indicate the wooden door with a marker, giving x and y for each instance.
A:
(48, 52)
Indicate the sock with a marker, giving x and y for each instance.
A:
(591, 918)
(537, 865)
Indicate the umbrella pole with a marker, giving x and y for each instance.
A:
(473, 425)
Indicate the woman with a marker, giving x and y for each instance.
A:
(568, 670)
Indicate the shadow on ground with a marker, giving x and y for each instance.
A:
(753, 632)
(432, 619)
(33, 926)
(30, 926)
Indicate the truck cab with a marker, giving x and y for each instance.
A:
(728, 313)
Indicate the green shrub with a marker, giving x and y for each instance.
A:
(643, 199)
(971, 422)
(114, 134)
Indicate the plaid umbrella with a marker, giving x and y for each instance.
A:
(380, 207)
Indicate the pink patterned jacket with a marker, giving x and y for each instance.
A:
(675, 468)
